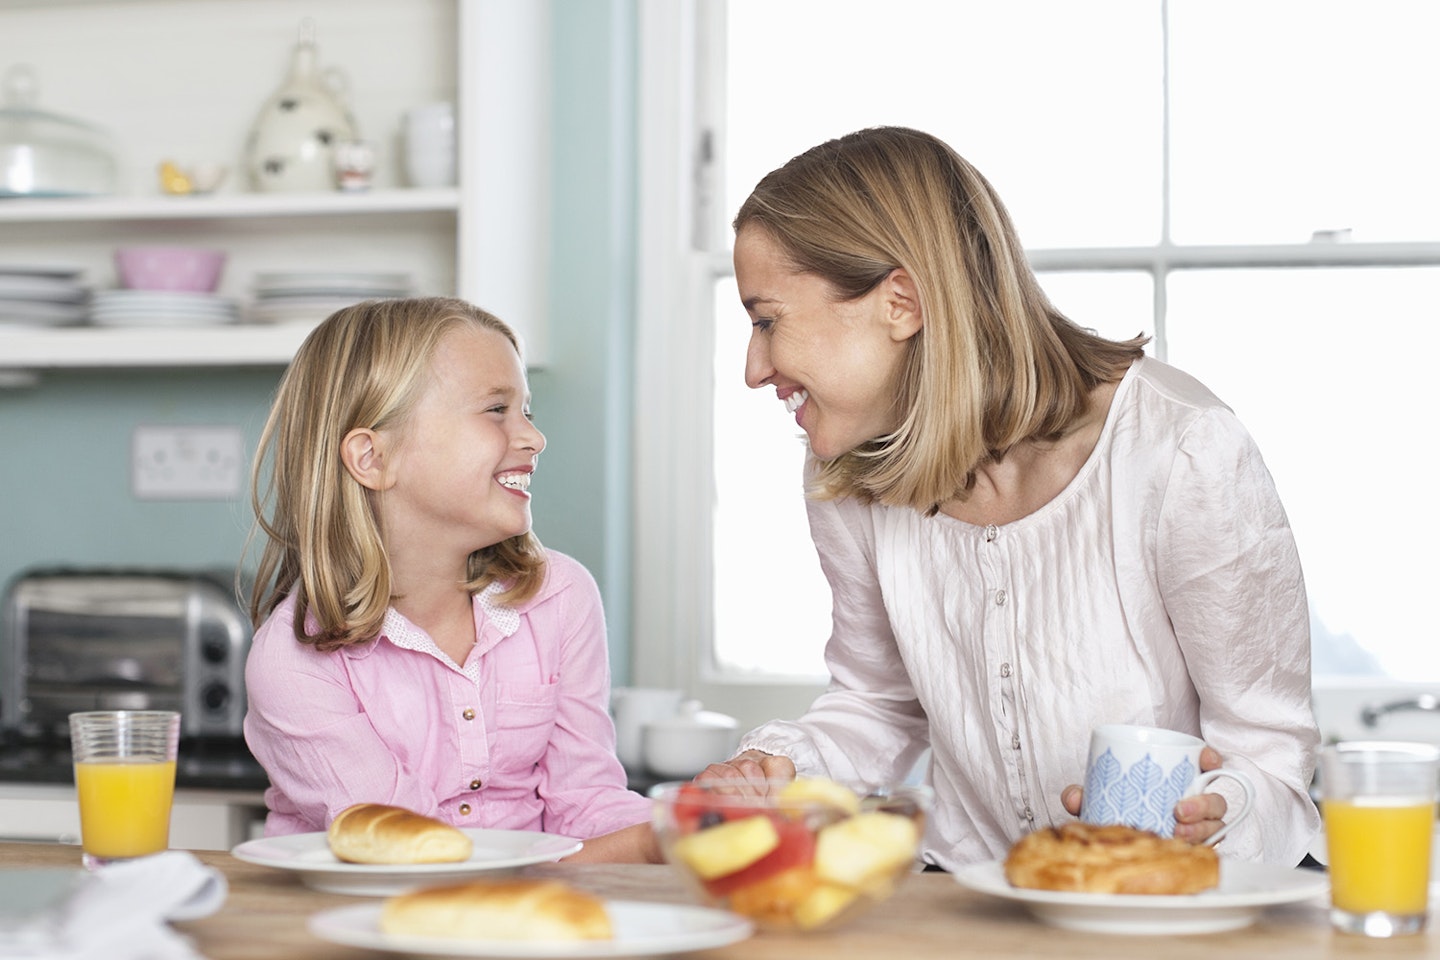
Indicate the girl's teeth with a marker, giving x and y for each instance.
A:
(516, 481)
(793, 402)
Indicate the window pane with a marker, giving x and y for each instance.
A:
(1115, 304)
(772, 604)
(1058, 103)
(1292, 116)
(1332, 371)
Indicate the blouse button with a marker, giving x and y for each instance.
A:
(991, 532)
(1004, 669)
(1028, 814)
(999, 598)
(475, 784)
(465, 809)
(1015, 742)
(469, 713)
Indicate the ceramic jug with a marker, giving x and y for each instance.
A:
(291, 144)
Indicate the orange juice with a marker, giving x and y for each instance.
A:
(125, 806)
(1379, 853)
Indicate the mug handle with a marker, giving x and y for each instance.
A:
(1204, 780)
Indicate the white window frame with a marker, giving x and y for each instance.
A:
(683, 248)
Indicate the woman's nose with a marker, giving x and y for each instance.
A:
(757, 362)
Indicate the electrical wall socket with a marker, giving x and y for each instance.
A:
(186, 463)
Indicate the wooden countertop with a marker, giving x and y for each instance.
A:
(931, 916)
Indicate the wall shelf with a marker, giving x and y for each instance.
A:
(231, 206)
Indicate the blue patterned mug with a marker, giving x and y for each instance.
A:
(1135, 776)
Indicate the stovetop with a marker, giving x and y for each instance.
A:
(210, 764)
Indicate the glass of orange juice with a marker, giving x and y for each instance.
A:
(125, 781)
(1379, 808)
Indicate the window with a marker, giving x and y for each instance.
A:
(1253, 184)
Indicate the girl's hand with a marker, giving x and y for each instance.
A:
(750, 772)
(1196, 818)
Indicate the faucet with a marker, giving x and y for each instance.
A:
(1370, 715)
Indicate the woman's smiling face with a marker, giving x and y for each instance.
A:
(835, 365)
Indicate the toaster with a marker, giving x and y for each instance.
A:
(122, 640)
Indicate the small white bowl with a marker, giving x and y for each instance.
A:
(682, 745)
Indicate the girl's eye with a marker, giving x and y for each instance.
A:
(498, 408)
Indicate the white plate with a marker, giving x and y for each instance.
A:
(641, 929)
(1245, 890)
(61, 270)
(35, 312)
(35, 287)
(309, 855)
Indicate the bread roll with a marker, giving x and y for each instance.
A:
(376, 833)
(516, 909)
(1110, 859)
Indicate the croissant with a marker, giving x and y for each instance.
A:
(516, 909)
(1110, 859)
(377, 833)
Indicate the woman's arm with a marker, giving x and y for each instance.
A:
(868, 725)
(1230, 575)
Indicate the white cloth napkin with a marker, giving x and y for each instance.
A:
(120, 912)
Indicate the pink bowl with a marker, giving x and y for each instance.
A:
(190, 269)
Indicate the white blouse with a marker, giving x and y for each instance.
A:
(1161, 586)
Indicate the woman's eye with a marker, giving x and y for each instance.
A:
(762, 324)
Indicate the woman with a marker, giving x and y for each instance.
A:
(1028, 529)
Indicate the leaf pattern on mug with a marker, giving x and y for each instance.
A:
(1142, 796)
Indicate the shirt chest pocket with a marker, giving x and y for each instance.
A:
(524, 720)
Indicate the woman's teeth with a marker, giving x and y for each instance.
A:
(793, 402)
(515, 481)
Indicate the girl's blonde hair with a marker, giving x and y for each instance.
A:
(994, 364)
(364, 366)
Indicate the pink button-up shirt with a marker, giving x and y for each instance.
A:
(518, 737)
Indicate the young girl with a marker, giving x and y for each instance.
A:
(419, 647)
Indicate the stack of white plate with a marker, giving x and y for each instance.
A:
(161, 308)
(44, 296)
(309, 297)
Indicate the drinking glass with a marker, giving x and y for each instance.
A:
(1378, 801)
(125, 781)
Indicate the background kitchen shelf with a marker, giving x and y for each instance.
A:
(486, 240)
(235, 345)
(228, 206)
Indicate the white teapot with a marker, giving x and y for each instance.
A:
(291, 144)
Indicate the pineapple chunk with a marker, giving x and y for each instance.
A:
(721, 850)
(818, 790)
(774, 899)
(865, 848)
(822, 905)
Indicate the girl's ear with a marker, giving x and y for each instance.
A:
(361, 453)
(902, 304)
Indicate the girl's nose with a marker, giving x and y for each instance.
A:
(531, 438)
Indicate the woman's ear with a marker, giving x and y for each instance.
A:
(902, 304)
(361, 453)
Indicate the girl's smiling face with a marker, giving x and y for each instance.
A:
(834, 364)
(460, 469)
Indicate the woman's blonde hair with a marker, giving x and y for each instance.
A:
(364, 366)
(994, 363)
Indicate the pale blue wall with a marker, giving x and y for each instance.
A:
(64, 444)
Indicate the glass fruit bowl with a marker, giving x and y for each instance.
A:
(805, 854)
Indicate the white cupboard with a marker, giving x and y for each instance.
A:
(183, 81)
